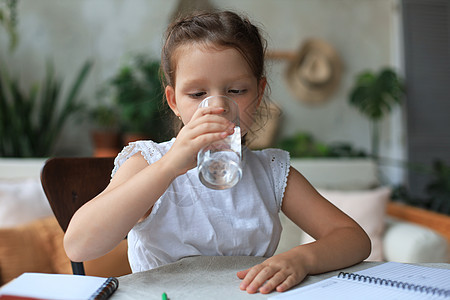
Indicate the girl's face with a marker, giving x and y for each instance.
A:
(203, 71)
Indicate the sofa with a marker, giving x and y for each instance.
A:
(31, 239)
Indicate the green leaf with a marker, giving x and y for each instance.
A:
(374, 96)
(32, 121)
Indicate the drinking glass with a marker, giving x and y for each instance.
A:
(220, 163)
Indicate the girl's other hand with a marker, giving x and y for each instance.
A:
(280, 273)
(205, 127)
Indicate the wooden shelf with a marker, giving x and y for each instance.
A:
(436, 221)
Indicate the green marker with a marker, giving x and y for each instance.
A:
(164, 296)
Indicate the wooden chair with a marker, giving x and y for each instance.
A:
(68, 183)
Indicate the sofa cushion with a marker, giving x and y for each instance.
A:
(413, 243)
(38, 247)
(368, 209)
(22, 201)
(26, 248)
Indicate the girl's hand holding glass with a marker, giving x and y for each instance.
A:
(205, 127)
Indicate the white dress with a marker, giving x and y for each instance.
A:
(190, 219)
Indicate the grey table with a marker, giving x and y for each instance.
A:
(206, 277)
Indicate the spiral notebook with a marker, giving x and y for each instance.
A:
(58, 286)
(386, 281)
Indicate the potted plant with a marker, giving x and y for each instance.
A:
(31, 121)
(304, 145)
(374, 95)
(138, 93)
(105, 133)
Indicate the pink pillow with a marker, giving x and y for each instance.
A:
(368, 209)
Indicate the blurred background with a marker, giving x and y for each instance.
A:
(91, 64)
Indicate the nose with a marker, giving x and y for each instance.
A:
(221, 101)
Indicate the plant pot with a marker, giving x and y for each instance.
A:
(106, 143)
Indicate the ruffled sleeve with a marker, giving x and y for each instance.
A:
(279, 161)
(150, 150)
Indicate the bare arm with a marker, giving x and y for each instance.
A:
(99, 225)
(340, 242)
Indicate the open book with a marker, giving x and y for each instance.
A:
(386, 281)
(58, 286)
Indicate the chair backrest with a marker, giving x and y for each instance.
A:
(69, 183)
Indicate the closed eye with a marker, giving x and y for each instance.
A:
(197, 95)
(236, 92)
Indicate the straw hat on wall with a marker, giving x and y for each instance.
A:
(315, 72)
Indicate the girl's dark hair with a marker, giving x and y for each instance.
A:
(217, 29)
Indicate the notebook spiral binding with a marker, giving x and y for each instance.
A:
(106, 290)
(395, 283)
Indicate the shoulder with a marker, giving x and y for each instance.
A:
(276, 164)
(148, 149)
(272, 156)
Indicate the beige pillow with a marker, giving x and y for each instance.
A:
(26, 248)
(38, 247)
(368, 209)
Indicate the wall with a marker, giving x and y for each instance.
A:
(364, 32)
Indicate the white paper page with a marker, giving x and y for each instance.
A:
(53, 286)
(342, 289)
(345, 289)
(417, 275)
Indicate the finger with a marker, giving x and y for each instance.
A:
(202, 111)
(242, 274)
(207, 139)
(263, 275)
(211, 127)
(289, 282)
(207, 120)
(208, 113)
(273, 283)
(249, 276)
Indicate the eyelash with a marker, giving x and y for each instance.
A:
(234, 92)
(237, 92)
(197, 95)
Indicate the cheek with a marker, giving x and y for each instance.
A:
(186, 114)
(247, 118)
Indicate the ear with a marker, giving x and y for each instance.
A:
(170, 96)
(261, 89)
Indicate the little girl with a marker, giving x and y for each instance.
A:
(156, 198)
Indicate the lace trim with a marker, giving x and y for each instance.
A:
(148, 149)
(287, 170)
(279, 163)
